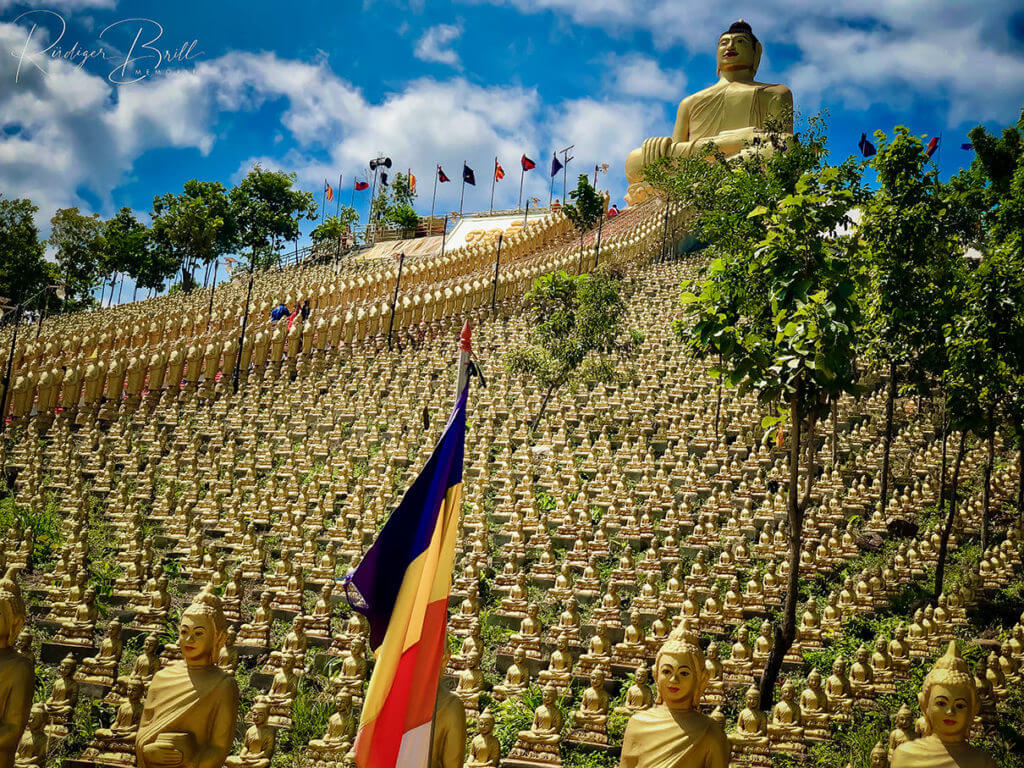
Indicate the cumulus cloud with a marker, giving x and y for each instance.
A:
(435, 44)
(859, 52)
(641, 76)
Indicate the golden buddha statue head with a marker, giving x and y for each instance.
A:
(12, 612)
(203, 630)
(680, 672)
(948, 699)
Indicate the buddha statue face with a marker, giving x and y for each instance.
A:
(597, 679)
(548, 696)
(486, 722)
(197, 638)
(679, 678)
(260, 713)
(753, 699)
(814, 680)
(641, 675)
(949, 710)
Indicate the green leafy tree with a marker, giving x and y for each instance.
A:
(393, 206)
(23, 270)
(129, 246)
(332, 228)
(194, 227)
(586, 211)
(913, 231)
(577, 331)
(80, 247)
(782, 320)
(267, 210)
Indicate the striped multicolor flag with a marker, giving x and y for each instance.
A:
(402, 586)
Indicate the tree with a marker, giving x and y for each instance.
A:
(912, 229)
(586, 211)
(194, 227)
(80, 247)
(782, 318)
(577, 329)
(266, 210)
(394, 205)
(332, 229)
(129, 246)
(23, 270)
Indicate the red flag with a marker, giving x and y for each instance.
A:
(527, 163)
(499, 172)
(933, 145)
(361, 185)
(441, 176)
(329, 192)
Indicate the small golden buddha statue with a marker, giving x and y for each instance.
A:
(590, 720)
(730, 116)
(34, 744)
(540, 743)
(949, 704)
(674, 733)
(258, 742)
(192, 705)
(903, 732)
(484, 749)
(17, 672)
(751, 734)
(639, 695)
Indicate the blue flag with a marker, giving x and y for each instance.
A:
(866, 147)
(556, 166)
(968, 145)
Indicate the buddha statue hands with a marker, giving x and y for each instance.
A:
(949, 704)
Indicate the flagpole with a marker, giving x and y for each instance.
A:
(522, 173)
(373, 192)
(551, 191)
(394, 300)
(565, 174)
(462, 196)
(494, 180)
(527, 214)
(323, 205)
(444, 235)
(352, 200)
(497, 262)
(337, 207)
(595, 175)
(433, 197)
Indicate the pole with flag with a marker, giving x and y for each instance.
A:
(527, 165)
(499, 174)
(565, 172)
(402, 586)
(468, 177)
(433, 198)
(556, 166)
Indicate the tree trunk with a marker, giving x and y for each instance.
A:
(543, 405)
(785, 634)
(890, 401)
(835, 433)
(940, 567)
(986, 491)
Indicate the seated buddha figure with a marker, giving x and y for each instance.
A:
(258, 742)
(862, 678)
(192, 705)
(559, 671)
(484, 749)
(101, 669)
(331, 748)
(590, 720)
(62, 700)
(837, 689)
(117, 743)
(732, 115)
(785, 729)
(517, 678)
(751, 734)
(639, 695)
(674, 733)
(814, 708)
(79, 629)
(352, 675)
(470, 685)
(949, 704)
(598, 654)
(528, 637)
(282, 692)
(34, 744)
(540, 743)
(257, 632)
(632, 650)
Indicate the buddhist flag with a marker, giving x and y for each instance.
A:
(499, 172)
(556, 165)
(361, 185)
(527, 163)
(933, 144)
(441, 175)
(402, 586)
(412, 183)
(866, 147)
(328, 191)
(468, 176)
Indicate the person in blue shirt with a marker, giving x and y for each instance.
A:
(279, 312)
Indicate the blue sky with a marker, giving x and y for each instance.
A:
(318, 88)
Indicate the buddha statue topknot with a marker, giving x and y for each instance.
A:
(673, 733)
(949, 703)
(734, 115)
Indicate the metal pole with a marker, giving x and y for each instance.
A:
(46, 306)
(7, 373)
(522, 173)
(527, 214)
(241, 339)
(209, 311)
(323, 205)
(463, 195)
(597, 248)
(551, 191)
(494, 180)
(444, 235)
(497, 262)
(337, 205)
(433, 197)
(373, 192)
(394, 299)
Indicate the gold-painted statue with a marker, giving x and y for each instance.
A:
(732, 115)
(188, 720)
(949, 703)
(17, 674)
(673, 733)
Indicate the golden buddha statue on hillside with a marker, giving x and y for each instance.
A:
(673, 733)
(733, 115)
(949, 703)
(17, 672)
(190, 712)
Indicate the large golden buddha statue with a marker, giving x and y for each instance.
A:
(949, 703)
(673, 733)
(733, 115)
(17, 675)
(188, 720)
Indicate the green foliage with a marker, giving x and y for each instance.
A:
(577, 326)
(588, 207)
(192, 228)
(23, 270)
(514, 715)
(80, 246)
(267, 211)
(393, 205)
(331, 229)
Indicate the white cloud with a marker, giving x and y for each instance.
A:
(641, 76)
(856, 52)
(435, 44)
